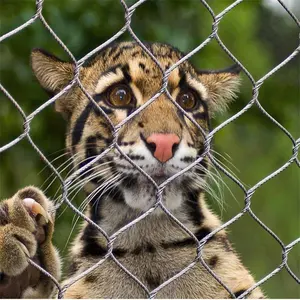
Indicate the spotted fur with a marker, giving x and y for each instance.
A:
(155, 248)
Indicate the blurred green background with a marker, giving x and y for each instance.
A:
(259, 35)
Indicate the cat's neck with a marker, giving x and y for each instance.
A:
(130, 230)
(112, 213)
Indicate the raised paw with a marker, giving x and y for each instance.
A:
(26, 228)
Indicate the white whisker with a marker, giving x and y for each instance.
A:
(226, 159)
(109, 183)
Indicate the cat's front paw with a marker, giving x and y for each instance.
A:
(26, 228)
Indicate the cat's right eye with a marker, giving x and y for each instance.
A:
(120, 96)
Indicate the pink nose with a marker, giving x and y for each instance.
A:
(162, 145)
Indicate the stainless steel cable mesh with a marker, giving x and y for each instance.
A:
(248, 193)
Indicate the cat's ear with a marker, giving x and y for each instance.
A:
(52, 73)
(222, 87)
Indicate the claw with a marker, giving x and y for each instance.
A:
(36, 208)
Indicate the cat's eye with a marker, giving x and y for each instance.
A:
(187, 100)
(120, 96)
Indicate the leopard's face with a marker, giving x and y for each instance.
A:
(161, 140)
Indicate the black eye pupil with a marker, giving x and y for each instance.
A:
(186, 98)
(121, 94)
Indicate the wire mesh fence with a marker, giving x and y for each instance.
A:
(248, 192)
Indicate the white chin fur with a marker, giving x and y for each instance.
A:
(142, 197)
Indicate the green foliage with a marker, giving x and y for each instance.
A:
(253, 144)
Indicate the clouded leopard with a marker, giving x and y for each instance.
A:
(162, 141)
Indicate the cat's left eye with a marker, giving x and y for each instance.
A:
(120, 96)
(187, 100)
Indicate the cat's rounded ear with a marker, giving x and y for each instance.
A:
(222, 87)
(53, 75)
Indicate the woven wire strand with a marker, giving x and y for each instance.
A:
(66, 183)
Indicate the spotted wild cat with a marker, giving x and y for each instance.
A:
(161, 140)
